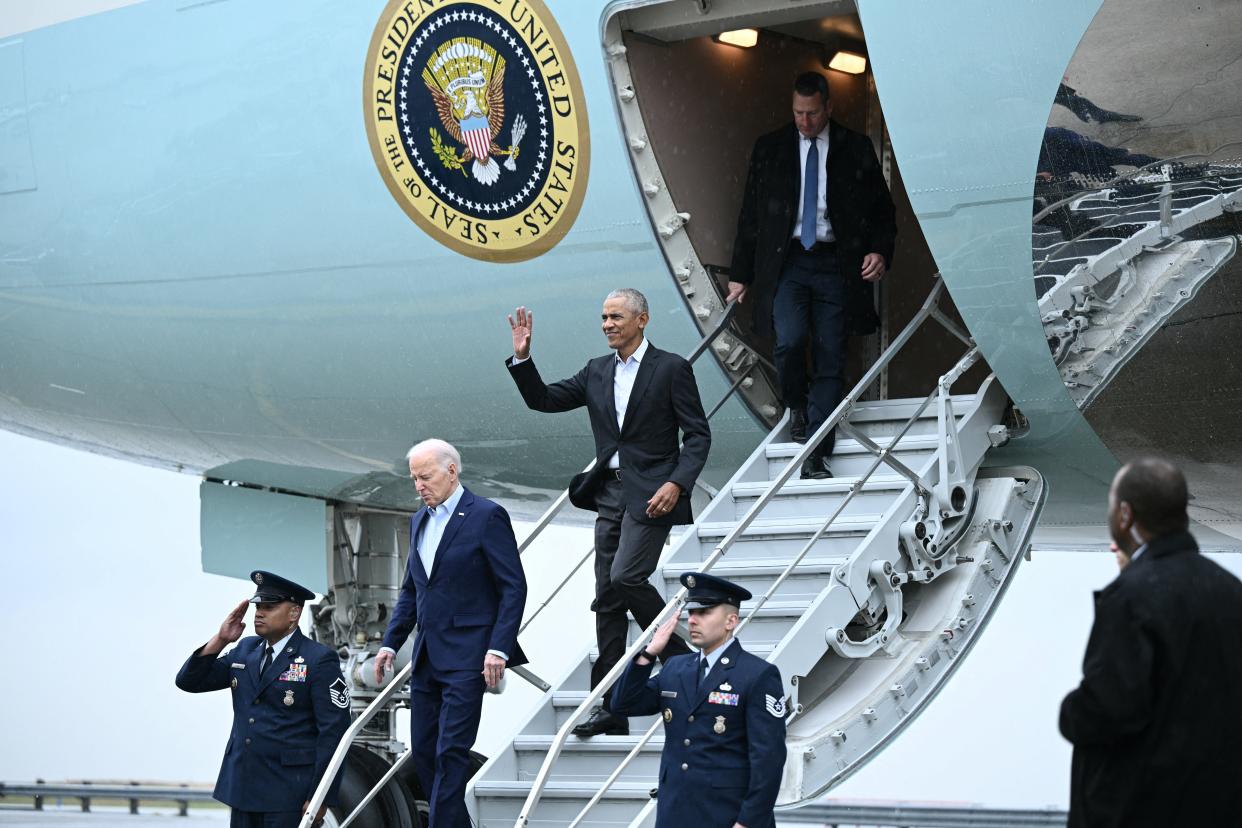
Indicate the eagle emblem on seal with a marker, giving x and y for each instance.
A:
(465, 77)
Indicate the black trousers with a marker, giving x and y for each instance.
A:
(810, 306)
(626, 553)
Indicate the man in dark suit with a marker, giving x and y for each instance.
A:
(815, 232)
(638, 398)
(290, 707)
(1155, 723)
(724, 716)
(465, 589)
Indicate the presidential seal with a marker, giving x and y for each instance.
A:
(478, 124)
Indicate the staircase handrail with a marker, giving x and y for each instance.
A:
(928, 310)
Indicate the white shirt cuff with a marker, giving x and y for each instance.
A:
(517, 361)
(498, 654)
(389, 650)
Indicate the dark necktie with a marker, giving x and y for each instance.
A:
(810, 195)
(267, 660)
(702, 672)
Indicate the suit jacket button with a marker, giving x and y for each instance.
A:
(684, 766)
(247, 741)
(252, 721)
(691, 719)
(685, 742)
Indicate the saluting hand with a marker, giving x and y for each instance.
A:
(659, 639)
(522, 327)
(230, 630)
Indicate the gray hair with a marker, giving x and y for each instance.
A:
(634, 300)
(443, 452)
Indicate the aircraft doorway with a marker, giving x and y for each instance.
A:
(691, 107)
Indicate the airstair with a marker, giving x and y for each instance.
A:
(869, 589)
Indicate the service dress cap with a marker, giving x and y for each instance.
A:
(705, 591)
(270, 588)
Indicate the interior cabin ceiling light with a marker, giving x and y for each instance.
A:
(739, 37)
(849, 62)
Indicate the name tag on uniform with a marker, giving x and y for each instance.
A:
(668, 694)
(716, 697)
(296, 672)
(237, 665)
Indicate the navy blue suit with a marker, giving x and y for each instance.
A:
(471, 602)
(724, 742)
(286, 723)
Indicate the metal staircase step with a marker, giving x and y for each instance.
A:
(801, 497)
(759, 648)
(565, 702)
(849, 457)
(757, 575)
(782, 539)
(500, 801)
(590, 760)
(769, 624)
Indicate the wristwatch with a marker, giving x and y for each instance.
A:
(652, 657)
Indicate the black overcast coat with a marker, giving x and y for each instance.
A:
(665, 398)
(1157, 722)
(859, 207)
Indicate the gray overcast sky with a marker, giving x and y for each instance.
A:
(103, 598)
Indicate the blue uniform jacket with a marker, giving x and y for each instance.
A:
(724, 745)
(473, 598)
(285, 726)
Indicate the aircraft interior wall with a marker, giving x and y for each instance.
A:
(704, 103)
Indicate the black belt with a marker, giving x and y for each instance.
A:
(816, 249)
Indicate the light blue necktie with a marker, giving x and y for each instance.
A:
(810, 195)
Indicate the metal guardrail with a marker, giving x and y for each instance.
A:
(85, 792)
(929, 310)
(544, 521)
(846, 814)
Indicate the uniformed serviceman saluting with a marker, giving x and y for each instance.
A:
(724, 716)
(290, 706)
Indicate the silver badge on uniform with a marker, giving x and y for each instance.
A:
(234, 682)
(288, 699)
(719, 726)
(338, 691)
(298, 660)
(726, 687)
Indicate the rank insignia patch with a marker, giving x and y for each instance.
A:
(338, 691)
(477, 121)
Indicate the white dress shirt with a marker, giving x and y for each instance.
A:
(277, 648)
(714, 655)
(823, 227)
(429, 540)
(622, 386)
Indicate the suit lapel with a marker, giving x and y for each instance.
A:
(455, 521)
(253, 662)
(641, 381)
(687, 677)
(610, 394)
(416, 526)
(790, 172)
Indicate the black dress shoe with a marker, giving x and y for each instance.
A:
(797, 425)
(815, 468)
(603, 722)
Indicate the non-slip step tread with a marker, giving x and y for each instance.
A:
(844, 446)
(832, 485)
(791, 526)
(761, 567)
(594, 744)
(558, 789)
